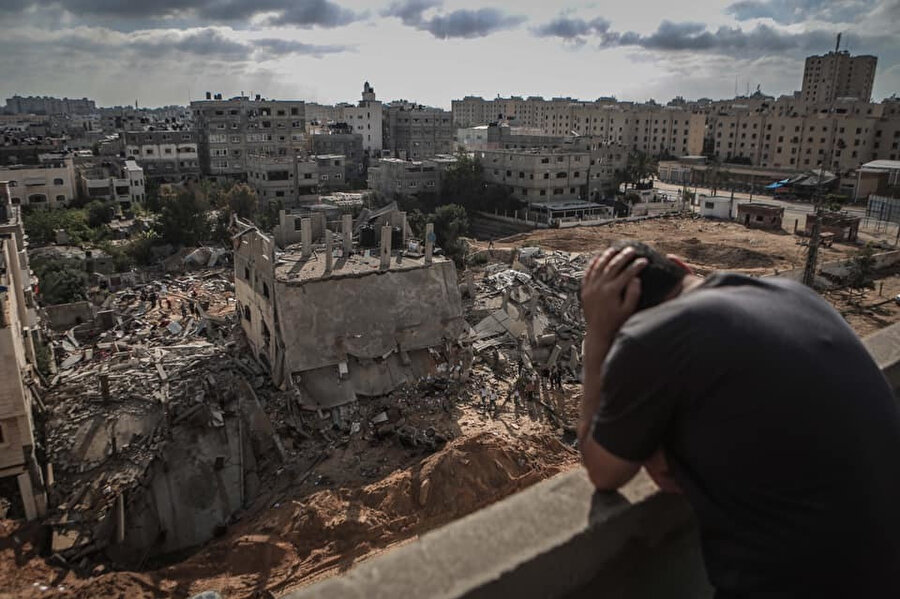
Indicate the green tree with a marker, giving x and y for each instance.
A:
(100, 213)
(450, 223)
(241, 200)
(862, 268)
(183, 219)
(267, 217)
(463, 183)
(639, 167)
(151, 195)
(60, 281)
(41, 225)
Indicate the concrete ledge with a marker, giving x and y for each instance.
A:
(885, 349)
(558, 538)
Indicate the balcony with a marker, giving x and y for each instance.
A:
(558, 538)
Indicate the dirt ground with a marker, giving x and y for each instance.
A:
(320, 517)
(869, 310)
(705, 245)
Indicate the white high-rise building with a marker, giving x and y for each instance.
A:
(365, 119)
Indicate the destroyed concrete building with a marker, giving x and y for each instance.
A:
(844, 227)
(18, 366)
(335, 322)
(154, 433)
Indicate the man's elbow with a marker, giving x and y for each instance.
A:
(606, 471)
(604, 480)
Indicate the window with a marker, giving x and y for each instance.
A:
(247, 313)
(58, 182)
(2, 435)
(266, 289)
(246, 273)
(60, 199)
(709, 205)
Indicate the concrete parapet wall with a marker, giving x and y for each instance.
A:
(558, 538)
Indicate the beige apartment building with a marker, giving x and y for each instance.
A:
(48, 183)
(538, 176)
(294, 180)
(18, 324)
(231, 130)
(656, 130)
(834, 75)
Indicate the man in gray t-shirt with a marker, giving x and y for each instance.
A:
(756, 400)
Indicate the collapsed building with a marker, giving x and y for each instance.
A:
(335, 321)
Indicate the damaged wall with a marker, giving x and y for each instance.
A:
(193, 488)
(254, 285)
(323, 321)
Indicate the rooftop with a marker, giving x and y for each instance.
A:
(881, 165)
(290, 267)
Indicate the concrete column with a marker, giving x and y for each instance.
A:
(429, 242)
(120, 519)
(306, 237)
(329, 257)
(104, 385)
(402, 247)
(347, 231)
(385, 247)
(27, 494)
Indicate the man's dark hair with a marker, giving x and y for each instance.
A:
(658, 278)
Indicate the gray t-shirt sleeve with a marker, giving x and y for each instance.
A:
(639, 399)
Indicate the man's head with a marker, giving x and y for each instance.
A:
(661, 279)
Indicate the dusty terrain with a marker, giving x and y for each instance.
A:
(345, 496)
(322, 513)
(705, 245)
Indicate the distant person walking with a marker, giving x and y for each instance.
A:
(755, 399)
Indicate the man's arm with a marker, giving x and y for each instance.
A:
(609, 295)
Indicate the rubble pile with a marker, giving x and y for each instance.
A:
(163, 373)
(529, 313)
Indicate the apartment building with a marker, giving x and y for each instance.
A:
(168, 155)
(839, 141)
(48, 182)
(347, 145)
(229, 131)
(539, 176)
(18, 325)
(414, 132)
(295, 180)
(365, 118)
(654, 129)
(331, 169)
(834, 75)
(122, 183)
(48, 105)
(393, 176)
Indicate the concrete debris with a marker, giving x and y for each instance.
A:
(529, 313)
(140, 416)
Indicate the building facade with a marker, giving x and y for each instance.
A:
(392, 176)
(365, 118)
(170, 156)
(348, 145)
(414, 132)
(231, 130)
(834, 75)
(48, 105)
(113, 182)
(50, 183)
(538, 176)
(18, 325)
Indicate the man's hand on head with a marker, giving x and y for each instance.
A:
(610, 291)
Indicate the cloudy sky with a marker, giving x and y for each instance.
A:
(431, 51)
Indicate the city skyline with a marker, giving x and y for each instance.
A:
(431, 51)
